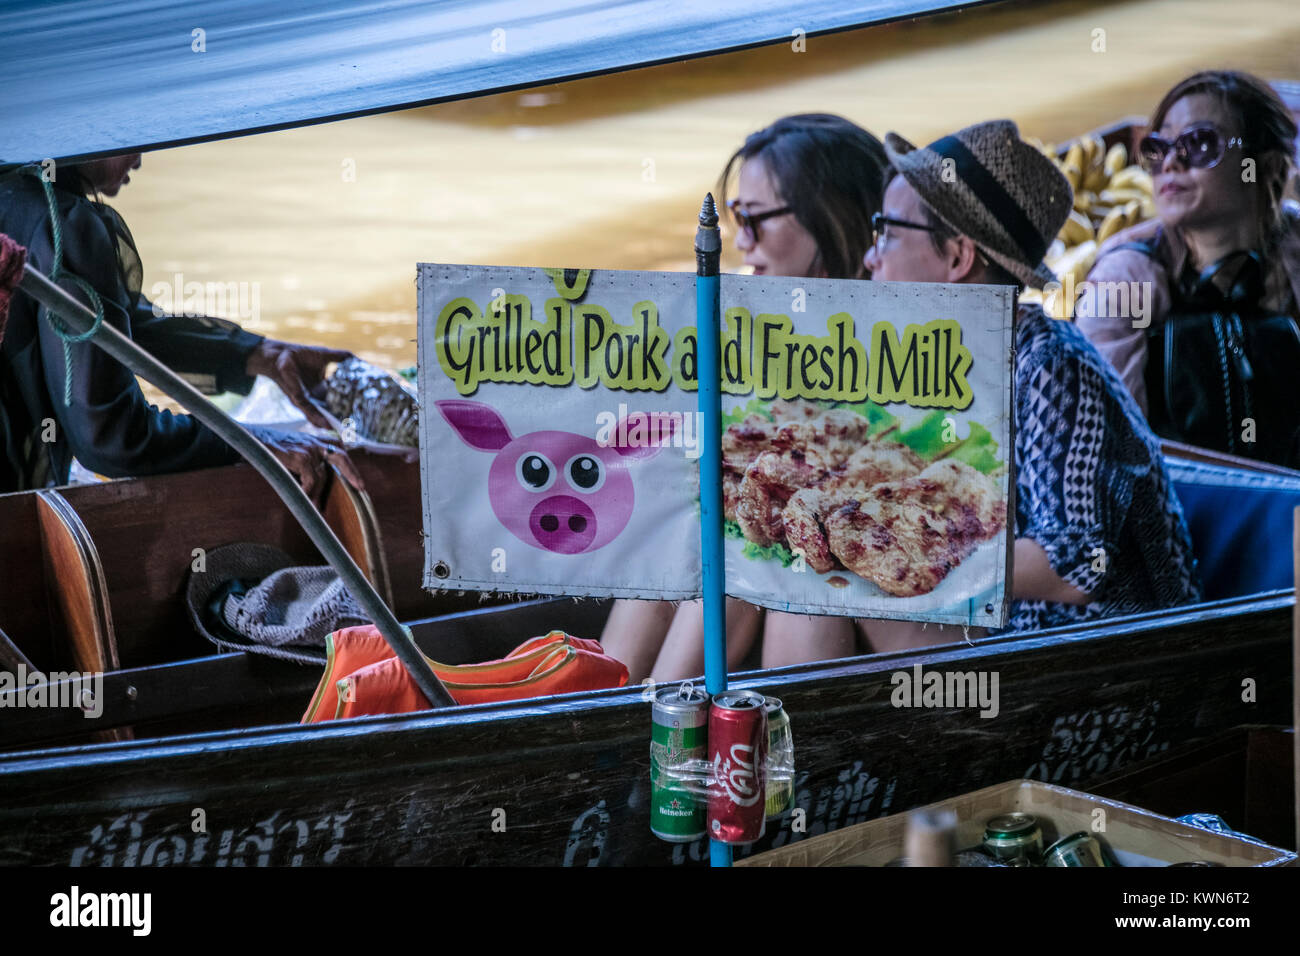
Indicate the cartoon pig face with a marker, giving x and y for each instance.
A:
(557, 491)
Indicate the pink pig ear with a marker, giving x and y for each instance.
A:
(658, 435)
(479, 426)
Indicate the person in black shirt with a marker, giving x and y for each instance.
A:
(108, 425)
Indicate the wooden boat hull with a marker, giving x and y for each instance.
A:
(1245, 775)
(564, 781)
(558, 781)
(93, 576)
(566, 777)
(555, 781)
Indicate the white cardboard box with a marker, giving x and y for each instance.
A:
(1134, 836)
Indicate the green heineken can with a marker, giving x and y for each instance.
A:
(780, 756)
(1015, 839)
(678, 734)
(1077, 849)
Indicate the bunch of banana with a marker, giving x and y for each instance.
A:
(1109, 196)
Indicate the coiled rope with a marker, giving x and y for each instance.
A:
(56, 273)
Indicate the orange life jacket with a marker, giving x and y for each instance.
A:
(363, 675)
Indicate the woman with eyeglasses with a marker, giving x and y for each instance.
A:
(806, 189)
(1197, 309)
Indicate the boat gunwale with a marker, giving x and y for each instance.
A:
(807, 676)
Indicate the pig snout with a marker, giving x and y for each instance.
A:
(563, 524)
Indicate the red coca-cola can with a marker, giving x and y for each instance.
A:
(737, 750)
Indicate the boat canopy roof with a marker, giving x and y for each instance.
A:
(84, 78)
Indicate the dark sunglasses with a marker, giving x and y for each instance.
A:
(880, 224)
(1201, 147)
(749, 221)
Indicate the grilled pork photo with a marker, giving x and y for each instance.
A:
(815, 481)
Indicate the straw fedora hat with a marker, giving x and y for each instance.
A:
(986, 183)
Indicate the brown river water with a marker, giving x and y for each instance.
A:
(323, 225)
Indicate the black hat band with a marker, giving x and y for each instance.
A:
(996, 199)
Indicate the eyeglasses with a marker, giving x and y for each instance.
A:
(880, 224)
(749, 221)
(1201, 147)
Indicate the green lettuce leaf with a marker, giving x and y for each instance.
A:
(755, 552)
(979, 450)
(754, 406)
(778, 552)
(880, 419)
(926, 437)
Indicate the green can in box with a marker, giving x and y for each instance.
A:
(1014, 838)
(1077, 849)
(678, 734)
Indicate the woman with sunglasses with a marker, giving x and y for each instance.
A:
(806, 189)
(1224, 244)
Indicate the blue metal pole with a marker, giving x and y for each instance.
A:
(708, 317)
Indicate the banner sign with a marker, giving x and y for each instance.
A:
(867, 446)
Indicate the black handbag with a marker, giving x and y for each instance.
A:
(1222, 373)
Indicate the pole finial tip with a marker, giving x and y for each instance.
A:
(708, 211)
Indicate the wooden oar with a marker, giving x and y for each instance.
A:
(11, 657)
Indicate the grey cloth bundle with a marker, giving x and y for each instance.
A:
(293, 606)
(251, 597)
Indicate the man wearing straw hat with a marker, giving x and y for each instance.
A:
(1098, 528)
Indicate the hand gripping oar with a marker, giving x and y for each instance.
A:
(82, 322)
